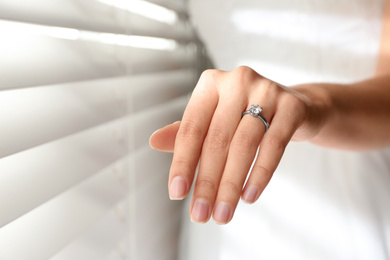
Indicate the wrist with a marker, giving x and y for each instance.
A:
(320, 111)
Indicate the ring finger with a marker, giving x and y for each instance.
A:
(242, 152)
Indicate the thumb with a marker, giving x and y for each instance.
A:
(164, 139)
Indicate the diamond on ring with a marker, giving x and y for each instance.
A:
(255, 111)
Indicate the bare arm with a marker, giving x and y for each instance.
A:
(355, 116)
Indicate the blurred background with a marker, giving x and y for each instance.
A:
(83, 84)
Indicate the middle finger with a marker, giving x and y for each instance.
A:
(214, 153)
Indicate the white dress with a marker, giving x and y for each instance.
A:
(321, 203)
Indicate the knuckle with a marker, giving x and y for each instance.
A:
(189, 130)
(210, 78)
(276, 142)
(182, 166)
(217, 139)
(231, 187)
(244, 70)
(263, 171)
(268, 87)
(243, 75)
(244, 142)
(206, 184)
(209, 75)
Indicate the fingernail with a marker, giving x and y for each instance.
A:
(250, 194)
(151, 136)
(155, 132)
(200, 211)
(178, 188)
(222, 213)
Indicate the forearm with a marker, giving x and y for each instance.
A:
(354, 116)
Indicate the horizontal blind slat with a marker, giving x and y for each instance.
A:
(149, 178)
(53, 225)
(88, 15)
(78, 119)
(145, 122)
(179, 6)
(56, 166)
(149, 27)
(63, 60)
(98, 242)
(121, 251)
(73, 107)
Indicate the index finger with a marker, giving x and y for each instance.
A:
(189, 139)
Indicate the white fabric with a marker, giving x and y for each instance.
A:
(321, 203)
(292, 41)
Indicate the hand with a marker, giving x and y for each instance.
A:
(213, 133)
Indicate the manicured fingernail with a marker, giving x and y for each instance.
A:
(222, 213)
(156, 131)
(151, 136)
(250, 194)
(200, 211)
(178, 188)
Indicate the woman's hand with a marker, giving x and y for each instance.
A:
(213, 133)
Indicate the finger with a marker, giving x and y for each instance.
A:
(284, 124)
(191, 134)
(164, 139)
(242, 152)
(214, 154)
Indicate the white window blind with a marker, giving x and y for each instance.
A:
(83, 84)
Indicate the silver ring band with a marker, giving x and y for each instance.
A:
(255, 111)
